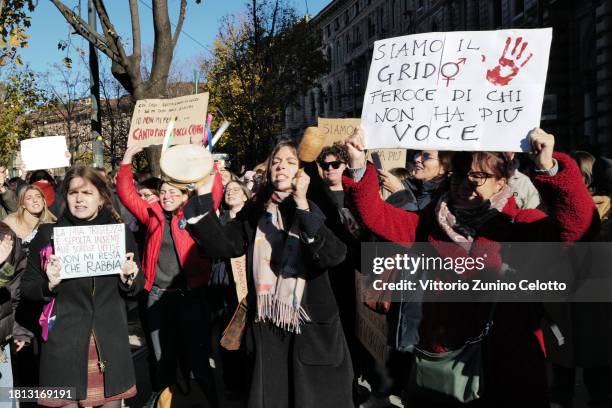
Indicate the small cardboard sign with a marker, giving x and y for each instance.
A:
(390, 158)
(152, 116)
(239, 270)
(91, 250)
(337, 130)
(47, 152)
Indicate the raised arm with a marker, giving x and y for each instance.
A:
(213, 239)
(126, 190)
(383, 219)
(572, 215)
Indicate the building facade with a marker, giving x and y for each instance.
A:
(578, 97)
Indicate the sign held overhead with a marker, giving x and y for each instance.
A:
(472, 90)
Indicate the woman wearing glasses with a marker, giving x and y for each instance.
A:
(480, 208)
(176, 276)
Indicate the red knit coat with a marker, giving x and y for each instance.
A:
(516, 352)
(197, 267)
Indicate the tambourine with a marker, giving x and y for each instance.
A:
(186, 166)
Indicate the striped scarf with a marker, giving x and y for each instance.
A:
(278, 269)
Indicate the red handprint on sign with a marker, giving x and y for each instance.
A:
(508, 66)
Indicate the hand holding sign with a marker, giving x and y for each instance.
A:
(130, 152)
(129, 270)
(543, 145)
(54, 268)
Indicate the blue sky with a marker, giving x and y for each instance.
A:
(202, 23)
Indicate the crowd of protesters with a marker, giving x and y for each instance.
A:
(298, 227)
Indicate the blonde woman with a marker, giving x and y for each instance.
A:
(31, 213)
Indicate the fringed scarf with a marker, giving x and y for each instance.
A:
(461, 224)
(278, 269)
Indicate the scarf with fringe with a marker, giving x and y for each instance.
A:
(278, 269)
(462, 225)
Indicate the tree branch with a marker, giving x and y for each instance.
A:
(179, 24)
(110, 32)
(136, 38)
(162, 49)
(87, 32)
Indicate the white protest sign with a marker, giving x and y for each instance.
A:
(152, 116)
(47, 152)
(337, 130)
(88, 251)
(473, 90)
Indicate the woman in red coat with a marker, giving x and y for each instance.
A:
(480, 209)
(176, 276)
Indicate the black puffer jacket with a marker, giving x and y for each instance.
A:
(83, 306)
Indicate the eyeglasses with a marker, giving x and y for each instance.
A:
(335, 164)
(233, 190)
(424, 157)
(476, 178)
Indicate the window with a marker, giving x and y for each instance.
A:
(356, 36)
(338, 54)
(313, 106)
(330, 97)
(497, 14)
(371, 28)
(328, 29)
(338, 95)
(320, 103)
(518, 7)
(336, 24)
(347, 42)
(346, 18)
(356, 8)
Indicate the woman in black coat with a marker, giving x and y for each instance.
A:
(87, 346)
(301, 358)
(12, 265)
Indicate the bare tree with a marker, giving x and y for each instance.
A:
(127, 69)
(67, 109)
(116, 107)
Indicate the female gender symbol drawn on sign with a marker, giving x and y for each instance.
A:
(449, 70)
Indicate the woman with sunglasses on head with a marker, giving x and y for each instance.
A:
(429, 171)
(293, 329)
(480, 209)
(176, 277)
